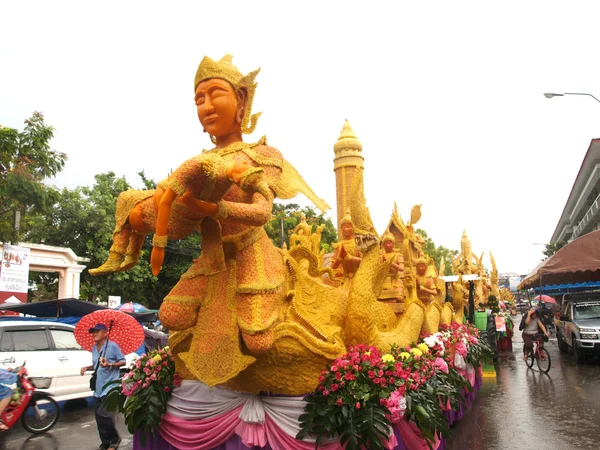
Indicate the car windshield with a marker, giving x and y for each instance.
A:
(587, 311)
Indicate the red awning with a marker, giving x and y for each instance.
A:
(576, 262)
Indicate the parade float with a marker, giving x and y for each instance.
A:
(274, 348)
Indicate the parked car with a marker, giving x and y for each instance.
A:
(578, 325)
(50, 350)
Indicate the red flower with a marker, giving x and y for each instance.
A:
(325, 392)
(357, 406)
(167, 389)
(338, 376)
(339, 402)
(334, 387)
(371, 374)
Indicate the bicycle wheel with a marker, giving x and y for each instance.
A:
(529, 360)
(41, 417)
(543, 360)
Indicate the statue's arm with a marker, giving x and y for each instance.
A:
(256, 213)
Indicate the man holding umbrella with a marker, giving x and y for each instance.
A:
(107, 358)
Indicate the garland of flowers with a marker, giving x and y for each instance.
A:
(143, 392)
(363, 393)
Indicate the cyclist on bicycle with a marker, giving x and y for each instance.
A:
(531, 331)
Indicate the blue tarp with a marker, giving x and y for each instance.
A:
(567, 287)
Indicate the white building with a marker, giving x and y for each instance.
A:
(581, 212)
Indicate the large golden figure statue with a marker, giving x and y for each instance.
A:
(247, 315)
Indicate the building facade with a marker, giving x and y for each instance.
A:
(581, 213)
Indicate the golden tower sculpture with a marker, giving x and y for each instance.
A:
(348, 160)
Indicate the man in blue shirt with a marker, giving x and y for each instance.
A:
(107, 357)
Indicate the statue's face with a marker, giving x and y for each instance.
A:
(388, 246)
(217, 106)
(347, 231)
(421, 268)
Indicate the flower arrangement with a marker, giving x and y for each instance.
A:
(363, 393)
(142, 394)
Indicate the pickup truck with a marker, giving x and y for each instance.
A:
(578, 326)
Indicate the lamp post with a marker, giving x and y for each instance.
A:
(551, 95)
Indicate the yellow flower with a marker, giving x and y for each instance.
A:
(415, 351)
(388, 358)
(368, 353)
(157, 358)
(166, 349)
(423, 348)
(404, 356)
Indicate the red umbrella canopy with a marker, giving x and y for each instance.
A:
(124, 330)
(545, 299)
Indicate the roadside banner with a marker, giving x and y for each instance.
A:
(14, 273)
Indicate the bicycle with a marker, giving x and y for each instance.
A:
(540, 355)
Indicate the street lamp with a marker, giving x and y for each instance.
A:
(550, 95)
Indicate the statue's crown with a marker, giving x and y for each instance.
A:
(347, 218)
(387, 236)
(226, 70)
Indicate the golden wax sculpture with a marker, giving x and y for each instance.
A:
(247, 315)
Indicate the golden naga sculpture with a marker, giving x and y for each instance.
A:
(494, 278)
(367, 319)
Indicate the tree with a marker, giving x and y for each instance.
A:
(83, 220)
(552, 248)
(438, 252)
(291, 214)
(26, 160)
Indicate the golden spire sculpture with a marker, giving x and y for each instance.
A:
(347, 161)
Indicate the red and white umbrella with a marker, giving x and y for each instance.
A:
(545, 299)
(123, 329)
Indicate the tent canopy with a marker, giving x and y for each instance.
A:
(66, 307)
(576, 262)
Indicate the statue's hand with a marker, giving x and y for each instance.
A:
(194, 204)
(234, 172)
(156, 259)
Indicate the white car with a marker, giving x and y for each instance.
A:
(50, 351)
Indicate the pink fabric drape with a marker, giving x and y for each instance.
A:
(412, 437)
(199, 434)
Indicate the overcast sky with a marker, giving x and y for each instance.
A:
(446, 98)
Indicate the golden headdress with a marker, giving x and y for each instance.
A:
(387, 236)
(421, 260)
(347, 218)
(225, 70)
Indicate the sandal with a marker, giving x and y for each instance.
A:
(3, 426)
(114, 446)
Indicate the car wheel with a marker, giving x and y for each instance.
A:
(562, 345)
(579, 356)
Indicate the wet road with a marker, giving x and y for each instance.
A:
(519, 409)
(525, 409)
(75, 430)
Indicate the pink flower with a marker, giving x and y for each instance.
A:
(461, 349)
(147, 371)
(396, 403)
(440, 365)
(167, 389)
(339, 402)
(325, 392)
(334, 387)
(357, 406)
(153, 376)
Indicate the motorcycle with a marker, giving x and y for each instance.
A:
(38, 410)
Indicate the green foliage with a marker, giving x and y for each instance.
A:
(479, 353)
(291, 214)
(438, 252)
(552, 248)
(26, 160)
(141, 398)
(366, 427)
(83, 220)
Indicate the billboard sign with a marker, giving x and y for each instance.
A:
(14, 273)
